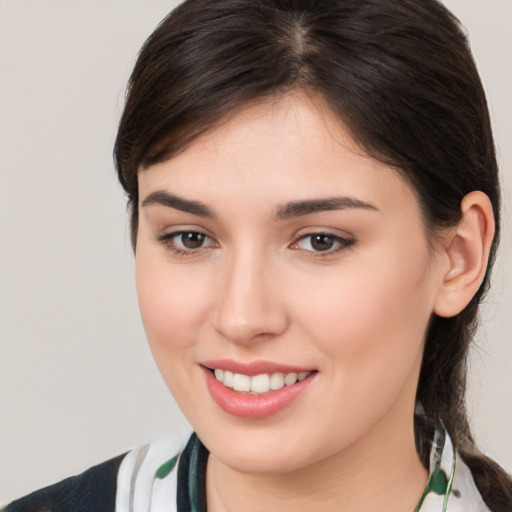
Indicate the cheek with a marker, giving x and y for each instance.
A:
(173, 310)
(370, 320)
(172, 305)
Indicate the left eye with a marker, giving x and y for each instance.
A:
(186, 241)
(321, 242)
(191, 239)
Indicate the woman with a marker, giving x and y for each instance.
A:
(315, 207)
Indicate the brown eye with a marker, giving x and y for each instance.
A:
(322, 242)
(192, 240)
(186, 242)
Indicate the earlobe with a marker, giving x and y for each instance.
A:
(467, 249)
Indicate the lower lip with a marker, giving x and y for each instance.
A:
(244, 405)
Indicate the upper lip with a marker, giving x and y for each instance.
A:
(254, 367)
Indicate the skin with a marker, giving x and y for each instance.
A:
(258, 291)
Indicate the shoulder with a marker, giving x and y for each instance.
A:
(124, 483)
(95, 489)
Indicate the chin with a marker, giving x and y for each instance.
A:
(264, 450)
(261, 461)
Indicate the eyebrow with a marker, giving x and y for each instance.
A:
(309, 206)
(179, 203)
(288, 210)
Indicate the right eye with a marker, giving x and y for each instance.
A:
(186, 242)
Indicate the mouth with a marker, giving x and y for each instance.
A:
(258, 384)
(256, 390)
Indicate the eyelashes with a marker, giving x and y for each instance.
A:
(322, 243)
(185, 243)
(194, 243)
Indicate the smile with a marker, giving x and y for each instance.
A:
(258, 384)
(255, 390)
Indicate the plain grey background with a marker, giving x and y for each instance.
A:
(77, 382)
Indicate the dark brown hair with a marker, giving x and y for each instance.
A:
(398, 73)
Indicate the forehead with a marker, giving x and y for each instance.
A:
(274, 151)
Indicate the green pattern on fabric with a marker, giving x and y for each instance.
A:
(165, 468)
(449, 483)
(437, 483)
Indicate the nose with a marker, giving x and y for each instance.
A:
(250, 305)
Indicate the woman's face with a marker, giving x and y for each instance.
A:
(275, 252)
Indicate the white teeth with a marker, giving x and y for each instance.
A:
(228, 379)
(291, 378)
(241, 382)
(258, 384)
(277, 381)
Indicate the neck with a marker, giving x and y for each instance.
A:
(381, 471)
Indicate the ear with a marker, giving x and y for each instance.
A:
(467, 249)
